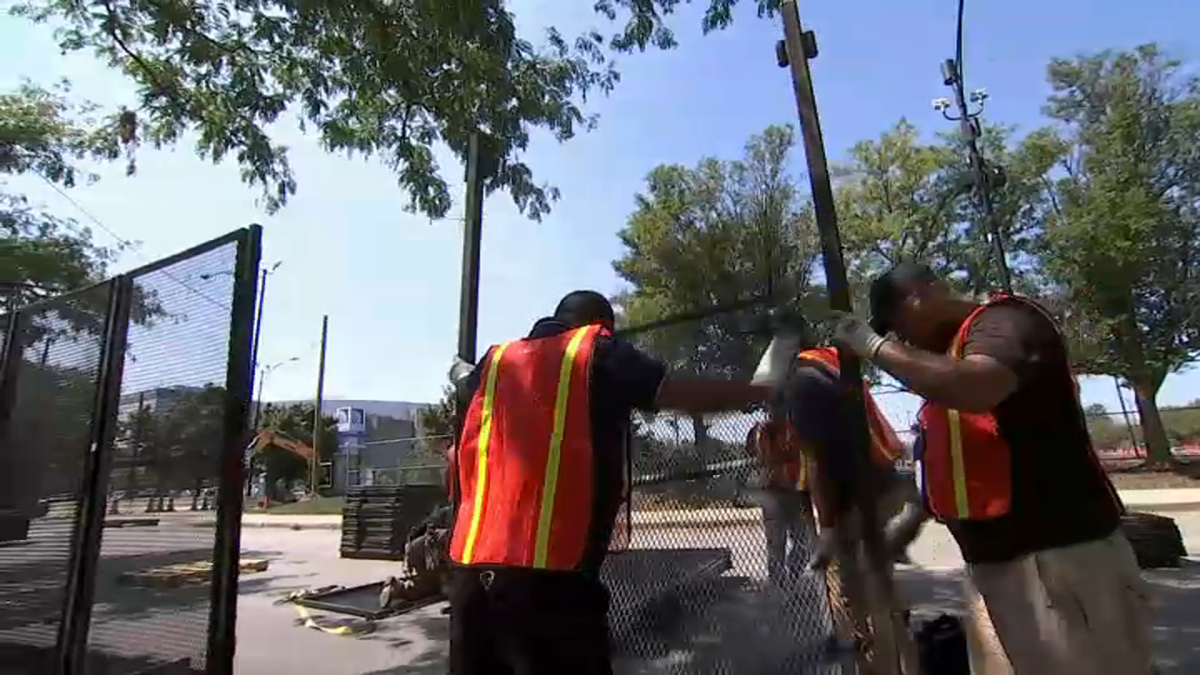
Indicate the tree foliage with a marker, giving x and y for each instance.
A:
(44, 134)
(1123, 250)
(437, 420)
(384, 79)
(295, 420)
(719, 233)
(1099, 215)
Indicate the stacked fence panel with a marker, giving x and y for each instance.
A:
(155, 570)
(49, 388)
(691, 590)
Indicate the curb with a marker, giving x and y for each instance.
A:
(292, 526)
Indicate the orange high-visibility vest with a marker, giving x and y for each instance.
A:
(886, 447)
(525, 458)
(780, 453)
(966, 462)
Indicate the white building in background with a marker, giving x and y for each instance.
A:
(158, 400)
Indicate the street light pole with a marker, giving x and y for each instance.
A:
(262, 296)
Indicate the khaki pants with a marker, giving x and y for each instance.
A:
(1076, 610)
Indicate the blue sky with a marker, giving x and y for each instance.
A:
(389, 280)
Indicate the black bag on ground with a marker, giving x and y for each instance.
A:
(942, 645)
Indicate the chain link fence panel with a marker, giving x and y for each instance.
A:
(156, 566)
(688, 571)
(50, 386)
(122, 421)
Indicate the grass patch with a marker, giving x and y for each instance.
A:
(321, 506)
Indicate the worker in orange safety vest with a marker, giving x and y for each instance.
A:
(1008, 466)
(540, 477)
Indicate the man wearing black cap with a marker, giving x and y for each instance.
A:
(539, 486)
(1008, 466)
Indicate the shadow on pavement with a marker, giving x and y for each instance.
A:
(1175, 593)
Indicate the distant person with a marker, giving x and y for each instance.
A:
(1008, 466)
(788, 522)
(540, 476)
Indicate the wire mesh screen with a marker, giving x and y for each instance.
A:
(710, 578)
(152, 591)
(50, 390)
(402, 461)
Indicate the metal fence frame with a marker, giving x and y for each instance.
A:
(71, 647)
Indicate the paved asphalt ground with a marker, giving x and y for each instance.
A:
(170, 623)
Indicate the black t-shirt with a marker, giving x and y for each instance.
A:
(623, 379)
(1060, 493)
(826, 418)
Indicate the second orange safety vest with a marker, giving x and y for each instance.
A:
(886, 447)
(525, 457)
(966, 463)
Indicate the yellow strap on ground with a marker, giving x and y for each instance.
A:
(307, 620)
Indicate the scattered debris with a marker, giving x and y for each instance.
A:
(172, 576)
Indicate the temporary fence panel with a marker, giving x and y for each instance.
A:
(49, 387)
(692, 592)
(122, 424)
(155, 579)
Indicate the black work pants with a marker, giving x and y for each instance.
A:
(527, 622)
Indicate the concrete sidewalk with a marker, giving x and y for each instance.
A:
(1178, 499)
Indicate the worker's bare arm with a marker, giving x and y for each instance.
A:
(976, 383)
(702, 395)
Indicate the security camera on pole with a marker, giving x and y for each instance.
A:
(984, 177)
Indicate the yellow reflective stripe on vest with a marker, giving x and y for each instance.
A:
(554, 458)
(481, 459)
(958, 468)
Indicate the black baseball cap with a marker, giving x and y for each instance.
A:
(890, 289)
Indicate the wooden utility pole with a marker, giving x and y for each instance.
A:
(318, 417)
(870, 586)
(468, 303)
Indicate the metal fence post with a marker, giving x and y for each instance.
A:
(239, 389)
(89, 525)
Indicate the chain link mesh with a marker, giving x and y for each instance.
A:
(696, 588)
(51, 388)
(157, 549)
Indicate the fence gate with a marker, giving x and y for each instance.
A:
(691, 579)
(123, 412)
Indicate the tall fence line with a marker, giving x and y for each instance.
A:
(123, 419)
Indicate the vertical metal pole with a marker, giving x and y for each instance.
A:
(262, 296)
(798, 47)
(89, 526)
(318, 417)
(468, 304)
(239, 389)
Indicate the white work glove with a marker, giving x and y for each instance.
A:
(773, 367)
(460, 370)
(825, 550)
(854, 334)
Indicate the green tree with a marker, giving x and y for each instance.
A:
(900, 198)
(384, 79)
(1122, 251)
(295, 421)
(44, 134)
(437, 420)
(718, 233)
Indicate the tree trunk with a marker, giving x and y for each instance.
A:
(1154, 434)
